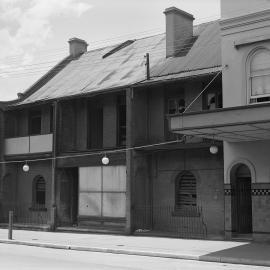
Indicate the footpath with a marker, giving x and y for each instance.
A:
(247, 253)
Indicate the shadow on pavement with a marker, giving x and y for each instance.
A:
(258, 254)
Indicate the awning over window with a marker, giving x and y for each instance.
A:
(245, 123)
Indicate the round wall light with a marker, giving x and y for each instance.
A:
(26, 167)
(105, 160)
(213, 149)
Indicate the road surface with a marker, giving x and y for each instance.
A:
(13, 257)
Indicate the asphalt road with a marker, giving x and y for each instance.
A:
(27, 258)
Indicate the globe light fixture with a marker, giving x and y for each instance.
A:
(26, 167)
(105, 160)
(213, 149)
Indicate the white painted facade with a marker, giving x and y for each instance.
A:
(245, 28)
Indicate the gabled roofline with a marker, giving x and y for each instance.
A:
(40, 82)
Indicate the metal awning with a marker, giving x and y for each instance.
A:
(244, 123)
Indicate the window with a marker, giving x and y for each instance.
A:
(102, 191)
(176, 105)
(185, 192)
(34, 122)
(121, 118)
(39, 192)
(212, 100)
(259, 76)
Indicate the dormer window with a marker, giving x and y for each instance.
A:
(259, 76)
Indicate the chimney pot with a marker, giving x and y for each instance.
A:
(77, 46)
(179, 29)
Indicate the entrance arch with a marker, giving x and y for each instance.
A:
(241, 199)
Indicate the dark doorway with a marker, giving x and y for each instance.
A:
(242, 201)
(69, 197)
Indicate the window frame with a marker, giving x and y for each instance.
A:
(176, 101)
(253, 99)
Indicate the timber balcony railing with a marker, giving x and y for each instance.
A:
(25, 214)
(29, 144)
(166, 220)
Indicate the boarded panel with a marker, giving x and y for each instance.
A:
(114, 204)
(90, 179)
(90, 204)
(102, 191)
(41, 143)
(114, 178)
(17, 146)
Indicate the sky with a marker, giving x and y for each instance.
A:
(34, 33)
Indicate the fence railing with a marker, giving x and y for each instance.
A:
(25, 214)
(183, 223)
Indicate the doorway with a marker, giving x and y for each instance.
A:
(68, 211)
(241, 200)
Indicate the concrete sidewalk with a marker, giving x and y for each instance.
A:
(203, 250)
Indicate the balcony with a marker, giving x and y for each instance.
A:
(29, 145)
(244, 123)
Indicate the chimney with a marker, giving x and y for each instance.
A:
(77, 46)
(179, 29)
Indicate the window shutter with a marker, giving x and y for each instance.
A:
(186, 194)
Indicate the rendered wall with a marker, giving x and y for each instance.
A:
(18, 192)
(208, 170)
(256, 156)
(232, 8)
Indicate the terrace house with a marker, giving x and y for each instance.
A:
(116, 102)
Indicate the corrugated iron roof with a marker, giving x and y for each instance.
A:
(91, 72)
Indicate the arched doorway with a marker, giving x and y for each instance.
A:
(241, 199)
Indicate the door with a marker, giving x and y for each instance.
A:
(244, 205)
(69, 196)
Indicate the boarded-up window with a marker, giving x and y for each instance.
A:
(186, 194)
(102, 191)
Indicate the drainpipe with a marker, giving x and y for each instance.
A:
(54, 147)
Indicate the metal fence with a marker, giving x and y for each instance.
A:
(166, 220)
(25, 214)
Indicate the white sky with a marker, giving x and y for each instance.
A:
(34, 33)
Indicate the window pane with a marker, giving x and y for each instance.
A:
(260, 73)
(114, 178)
(260, 85)
(89, 179)
(114, 204)
(90, 204)
(260, 61)
(181, 105)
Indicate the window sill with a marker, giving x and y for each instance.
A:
(38, 208)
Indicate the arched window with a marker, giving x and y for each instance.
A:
(259, 76)
(39, 191)
(186, 193)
